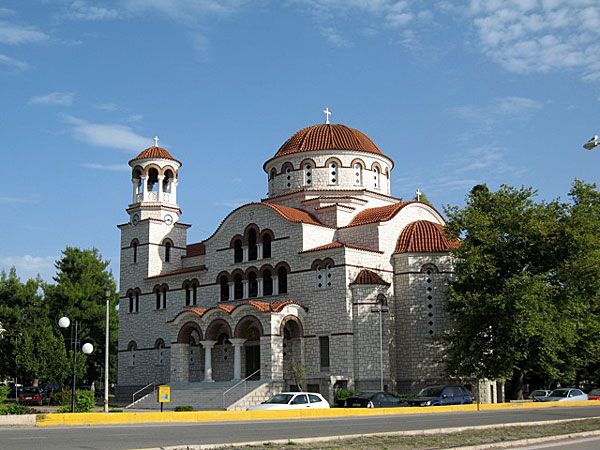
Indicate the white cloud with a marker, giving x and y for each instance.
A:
(233, 203)
(53, 98)
(334, 37)
(485, 118)
(12, 64)
(80, 10)
(107, 135)
(16, 34)
(29, 266)
(526, 36)
(111, 167)
(5, 199)
(186, 9)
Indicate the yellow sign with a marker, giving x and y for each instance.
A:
(164, 394)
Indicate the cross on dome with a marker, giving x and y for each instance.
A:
(156, 141)
(418, 193)
(327, 114)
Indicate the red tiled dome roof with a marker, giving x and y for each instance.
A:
(154, 152)
(369, 277)
(424, 236)
(328, 137)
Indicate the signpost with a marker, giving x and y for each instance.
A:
(164, 395)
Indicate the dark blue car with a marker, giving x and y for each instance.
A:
(441, 396)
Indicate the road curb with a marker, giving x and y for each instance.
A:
(91, 419)
(449, 430)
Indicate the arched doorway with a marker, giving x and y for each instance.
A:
(222, 352)
(250, 329)
(293, 352)
(187, 360)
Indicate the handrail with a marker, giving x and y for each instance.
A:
(238, 383)
(140, 390)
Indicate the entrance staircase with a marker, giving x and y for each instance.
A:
(224, 395)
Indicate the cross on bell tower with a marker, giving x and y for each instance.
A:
(327, 114)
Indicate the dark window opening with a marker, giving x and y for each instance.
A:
(267, 283)
(194, 294)
(187, 295)
(252, 285)
(324, 352)
(252, 250)
(135, 250)
(168, 252)
(224, 288)
(131, 305)
(238, 252)
(266, 246)
(238, 287)
(282, 276)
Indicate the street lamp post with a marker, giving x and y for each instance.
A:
(380, 309)
(107, 295)
(86, 348)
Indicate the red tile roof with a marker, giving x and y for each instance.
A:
(328, 137)
(368, 277)
(424, 236)
(154, 152)
(195, 250)
(339, 245)
(379, 214)
(178, 271)
(265, 307)
(292, 214)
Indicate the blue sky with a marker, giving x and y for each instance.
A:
(456, 92)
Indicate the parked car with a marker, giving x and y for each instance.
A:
(32, 395)
(594, 394)
(373, 400)
(292, 400)
(441, 396)
(566, 394)
(539, 394)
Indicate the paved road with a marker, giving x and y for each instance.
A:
(143, 436)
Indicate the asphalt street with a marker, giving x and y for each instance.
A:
(144, 436)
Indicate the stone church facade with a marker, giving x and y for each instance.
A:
(329, 273)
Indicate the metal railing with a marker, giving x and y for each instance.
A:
(244, 381)
(141, 390)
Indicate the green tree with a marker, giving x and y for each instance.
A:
(422, 198)
(78, 294)
(512, 317)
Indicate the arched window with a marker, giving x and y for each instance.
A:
(167, 182)
(131, 302)
(288, 176)
(238, 252)
(252, 285)
(168, 246)
(267, 283)
(357, 174)
(273, 173)
(323, 274)
(429, 270)
(238, 287)
(308, 168)
(161, 296)
(152, 180)
(194, 293)
(333, 172)
(224, 282)
(376, 176)
(252, 250)
(282, 278)
(319, 277)
(266, 246)
(132, 347)
(328, 275)
(134, 246)
(160, 351)
(188, 294)
(157, 293)
(137, 301)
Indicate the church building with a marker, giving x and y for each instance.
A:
(330, 278)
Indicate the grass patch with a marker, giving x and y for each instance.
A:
(444, 441)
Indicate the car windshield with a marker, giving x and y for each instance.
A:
(538, 394)
(281, 399)
(560, 393)
(364, 395)
(431, 392)
(30, 390)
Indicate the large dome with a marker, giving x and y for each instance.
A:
(328, 137)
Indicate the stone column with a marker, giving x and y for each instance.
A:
(244, 253)
(259, 282)
(237, 357)
(259, 251)
(161, 178)
(174, 183)
(208, 345)
(231, 286)
(145, 188)
(275, 285)
(245, 285)
(136, 185)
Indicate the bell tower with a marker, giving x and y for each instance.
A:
(153, 240)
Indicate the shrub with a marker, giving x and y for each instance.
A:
(3, 392)
(84, 402)
(344, 394)
(184, 408)
(115, 410)
(12, 408)
(60, 398)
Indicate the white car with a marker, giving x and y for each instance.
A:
(292, 400)
(566, 394)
